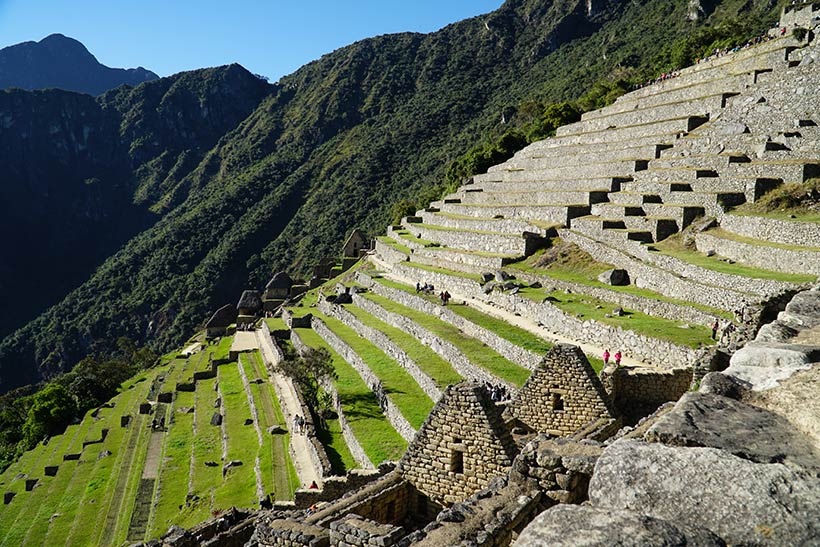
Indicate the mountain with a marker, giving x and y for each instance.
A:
(64, 63)
(331, 147)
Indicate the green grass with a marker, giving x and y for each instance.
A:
(172, 485)
(785, 215)
(587, 307)
(404, 234)
(431, 363)
(476, 351)
(390, 242)
(515, 335)
(276, 323)
(434, 269)
(399, 385)
(375, 434)
(672, 247)
(239, 487)
(223, 348)
(312, 296)
(586, 272)
(331, 437)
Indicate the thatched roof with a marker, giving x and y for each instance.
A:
(250, 300)
(224, 316)
(281, 280)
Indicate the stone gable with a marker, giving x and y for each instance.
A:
(461, 446)
(562, 395)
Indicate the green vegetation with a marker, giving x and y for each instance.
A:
(672, 246)
(427, 360)
(478, 353)
(396, 245)
(516, 335)
(378, 438)
(398, 384)
(329, 432)
(792, 201)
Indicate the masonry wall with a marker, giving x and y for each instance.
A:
(760, 256)
(462, 445)
(354, 531)
(562, 395)
(634, 390)
(770, 229)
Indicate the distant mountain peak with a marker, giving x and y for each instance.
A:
(62, 62)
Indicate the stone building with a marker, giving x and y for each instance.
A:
(249, 306)
(354, 243)
(461, 446)
(563, 395)
(279, 286)
(219, 322)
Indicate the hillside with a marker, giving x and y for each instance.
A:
(333, 147)
(641, 228)
(61, 62)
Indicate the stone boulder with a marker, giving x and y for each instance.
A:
(486, 277)
(573, 525)
(614, 277)
(803, 311)
(763, 365)
(721, 384)
(743, 502)
(775, 332)
(216, 419)
(752, 433)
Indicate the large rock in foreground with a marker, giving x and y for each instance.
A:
(574, 525)
(745, 503)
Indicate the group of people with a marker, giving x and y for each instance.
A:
(299, 424)
(498, 392)
(726, 328)
(615, 358)
(427, 288)
(445, 297)
(158, 425)
(246, 327)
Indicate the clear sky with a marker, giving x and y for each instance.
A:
(273, 37)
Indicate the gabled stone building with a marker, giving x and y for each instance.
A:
(563, 395)
(249, 306)
(219, 322)
(354, 243)
(461, 446)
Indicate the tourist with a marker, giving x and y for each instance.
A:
(715, 326)
(313, 485)
(617, 358)
(606, 357)
(441, 297)
(418, 287)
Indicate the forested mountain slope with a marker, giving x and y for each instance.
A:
(333, 147)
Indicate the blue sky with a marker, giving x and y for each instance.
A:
(273, 37)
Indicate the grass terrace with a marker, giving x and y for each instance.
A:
(404, 234)
(673, 246)
(331, 437)
(399, 385)
(390, 242)
(515, 335)
(275, 323)
(476, 351)
(723, 234)
(428, 361)
(434, 269)
(207, 446)
(372, 429)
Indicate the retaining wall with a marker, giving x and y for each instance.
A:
(761, 256)
(384, 343)
(770, 229)
(353, 445)
(396, 418)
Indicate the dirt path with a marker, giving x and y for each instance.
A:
(299, 449)
(513, 319)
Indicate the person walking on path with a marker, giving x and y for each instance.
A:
(618, 358)
(715, 326)
(606, 357)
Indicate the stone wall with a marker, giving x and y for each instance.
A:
(397, 420)
(355, 531)
(638, 391)
(761, 256)
(462, 445)
(288, 532)
(389, 254)
(448, 351)
(384, 343)
(334, 488)
(562, 395)
(643, 348)
(389, 499)
(353, 445)
(516, 354)
(770, 229)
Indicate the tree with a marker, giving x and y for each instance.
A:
(52, 409)
(309, 370)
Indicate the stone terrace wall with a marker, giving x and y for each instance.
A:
(643, 348)
(770, 258)
(383, 342)
(642, 387)
(390, 254)
(506, 348)
(448, 351)
(354, 531)
(397, 420)
(353, 445)
(291, 533)
(770, 229)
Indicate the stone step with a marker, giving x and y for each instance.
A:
(393, 233)
(710, 161)
(694, 106)
(636, 199)
(555, 214)
(782, 45)
(500, 225)
(722, 184)
(675, 174)
(608, 184)
(575, 155)
(617, 210)
(760, 253)
(492, 242)
(695, 88)
(461, 260)
(546, 197)
(676, 125)
(681, 214)
(560, 172)
(797, 171)
(556, 146)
